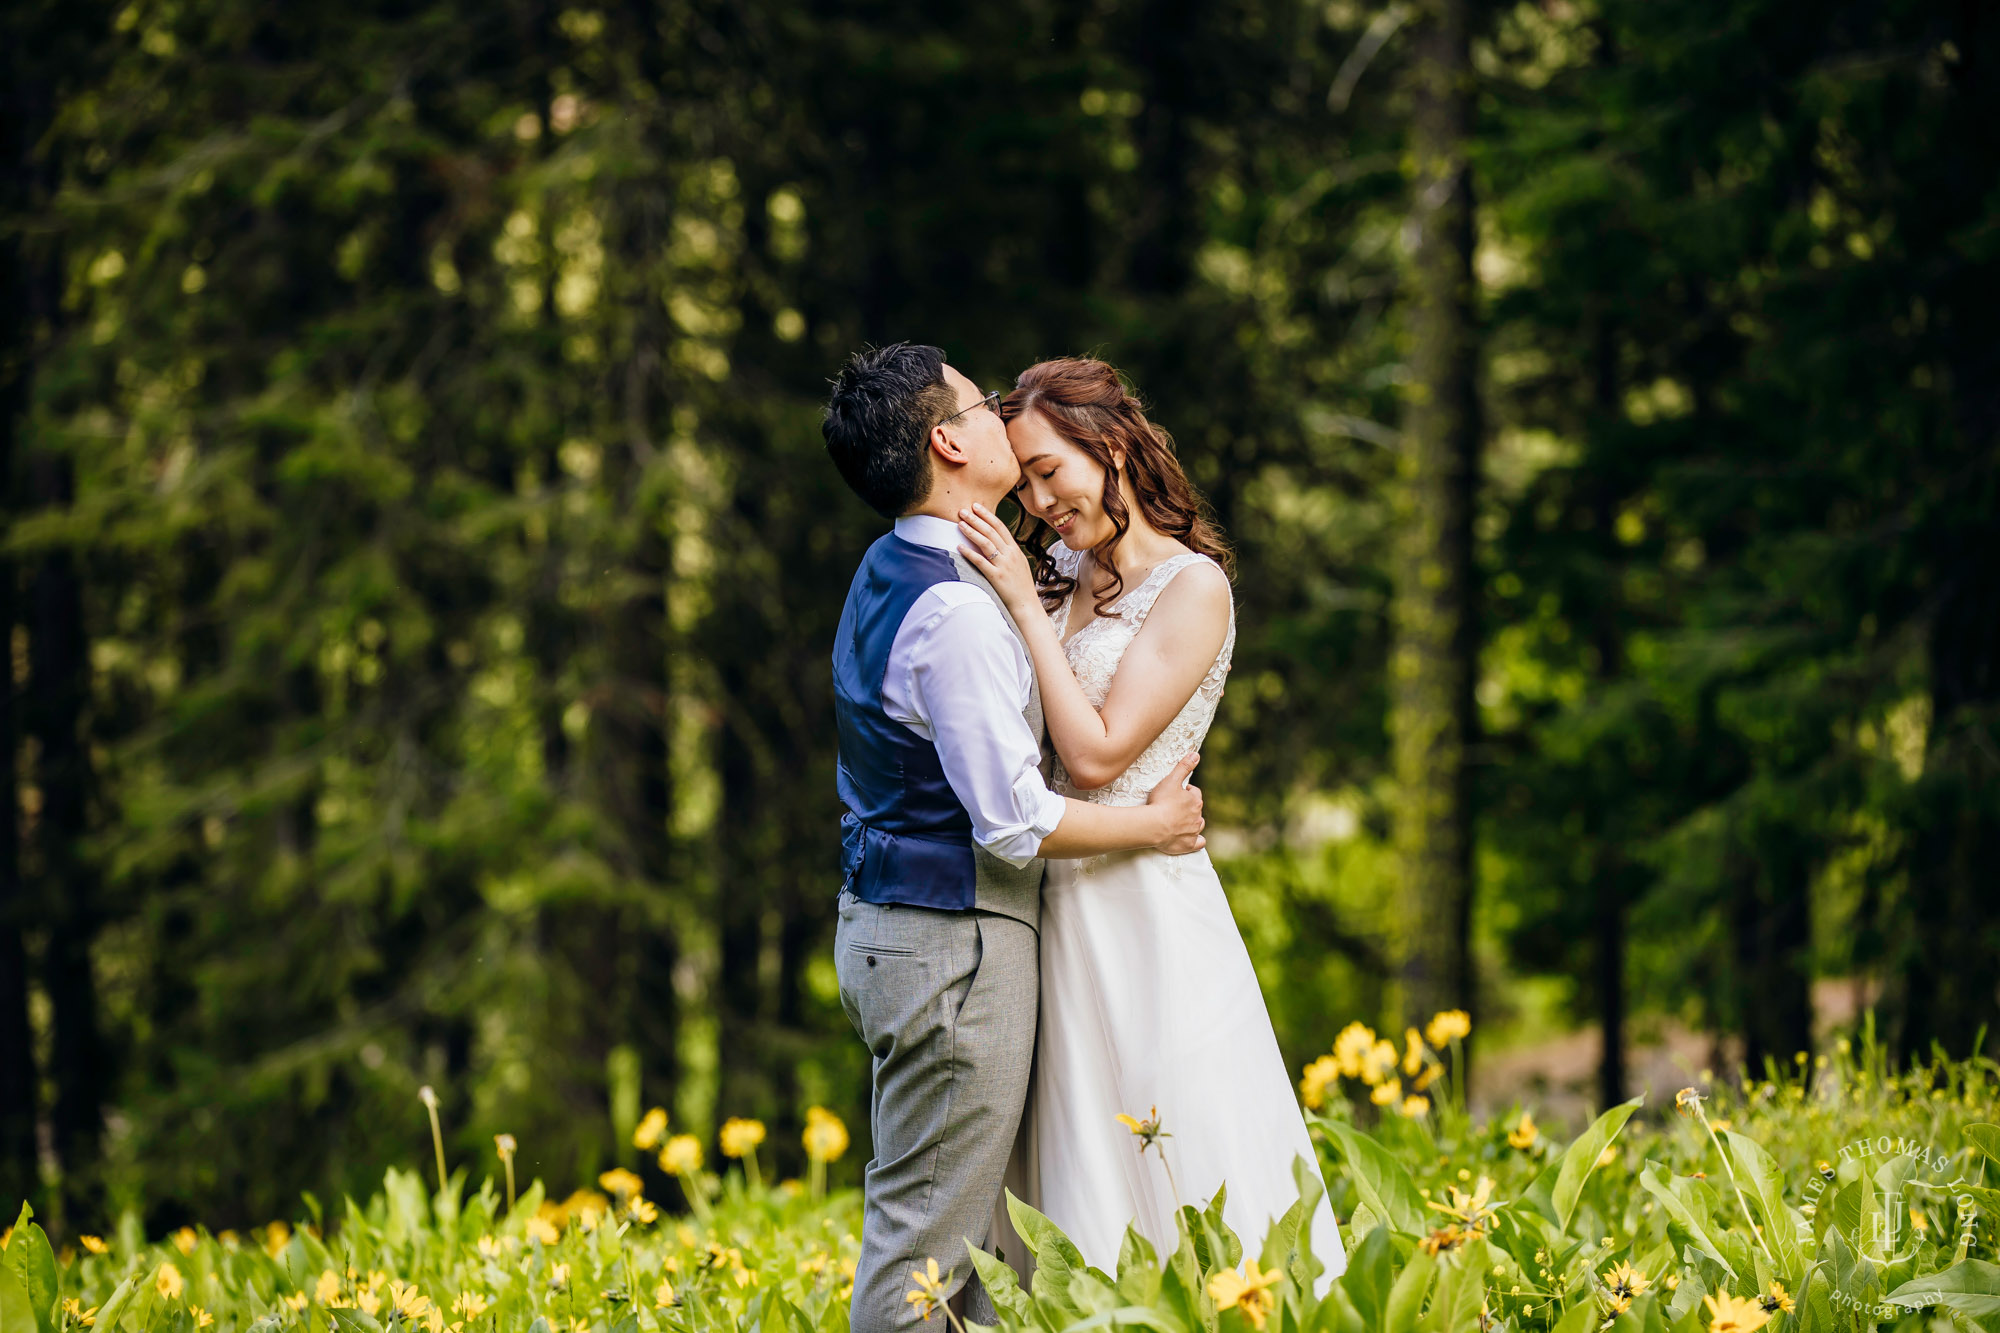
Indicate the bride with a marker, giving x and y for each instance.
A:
(1148, 995)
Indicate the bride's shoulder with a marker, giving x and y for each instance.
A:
(1196, 590)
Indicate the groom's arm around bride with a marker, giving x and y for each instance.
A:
(947, 820)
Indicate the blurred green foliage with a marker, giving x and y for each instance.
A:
(420, 560)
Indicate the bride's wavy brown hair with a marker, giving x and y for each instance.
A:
(1088, 403)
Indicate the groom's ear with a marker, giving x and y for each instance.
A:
(944, 445)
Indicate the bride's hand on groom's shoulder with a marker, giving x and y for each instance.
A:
(1179, 804)
(992, 550)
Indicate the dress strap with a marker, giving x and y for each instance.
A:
(1136, 605)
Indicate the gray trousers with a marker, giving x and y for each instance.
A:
(946, 1002)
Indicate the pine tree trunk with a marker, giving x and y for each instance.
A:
(66, 887)
(1435, 643)
(19, 1167)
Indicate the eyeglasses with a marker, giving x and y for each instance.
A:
(990, 401)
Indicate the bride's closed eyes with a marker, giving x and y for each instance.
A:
(1043, 475)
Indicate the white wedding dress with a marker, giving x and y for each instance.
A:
(1149, 999)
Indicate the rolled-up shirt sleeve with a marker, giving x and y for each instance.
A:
(966, 686)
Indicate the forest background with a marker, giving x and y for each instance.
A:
(420, 562)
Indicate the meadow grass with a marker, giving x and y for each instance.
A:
(1828, 1194)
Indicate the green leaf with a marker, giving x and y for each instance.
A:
(1687, 1296)
(1138, 1269)
(1843, 1211)
(33, 1264)
(1057, 1259)
(1970, 1288)
(1369, 1277)
(1380, 1179)
(1540, 1194)
(1180, 1284)
(1093, 1293)
(1678, 1197)
(1580, 1159)
(1985, 1137)
(16, 1314)
(1765, 1185)
(354, 1321)
(1002, 1283)
(116, 1304)
(1578, 1318)
(1461, 1288)
(1224, 1247)
(1406, 1297)
(1304, 1266)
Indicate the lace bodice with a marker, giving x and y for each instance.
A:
(1094, 653)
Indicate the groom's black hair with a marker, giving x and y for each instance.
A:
(884, 403)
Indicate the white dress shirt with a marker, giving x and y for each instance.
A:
(959, 677)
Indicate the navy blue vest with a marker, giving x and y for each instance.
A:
(905, 837)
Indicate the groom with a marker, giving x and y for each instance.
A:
(948, 820)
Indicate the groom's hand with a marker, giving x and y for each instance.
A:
(1179, 806)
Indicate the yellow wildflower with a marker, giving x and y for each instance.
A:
(504, 1145)
(643, 1212)
(1413, 1052)
(1609, 1155)
(1354, 1042)
(407, 1302)
(663, 1295)
(1776, 1299)
(825, 1136)
(368, 1302)
(275, 1236)
(489, 1247)
(1248, 1291)
(1318, 1077)
(1524, 1133)
(620, 1183)
(930, 1292)
(681, 1156)
(1386, 1094)
(541, 1229)
(297, 1300)
(74, 1313)
(1918, 1221)
(1425, 1076)
(1446, 1025)
(1727, 1314)
(1687, 1101)
(1414, 1106)
(1475, 1209)
(1378, 1062)
(202, 1318)
(1147, 1131)
(184, 1240)
(471, 1304)
(327, 1290)
(169, 1282)
(94, 1244)
(1625, 1281)
(1447, 1237)
(559, 1276)
(651, 1129)
(740, 1137)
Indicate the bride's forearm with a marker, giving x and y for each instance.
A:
(1075, 727)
